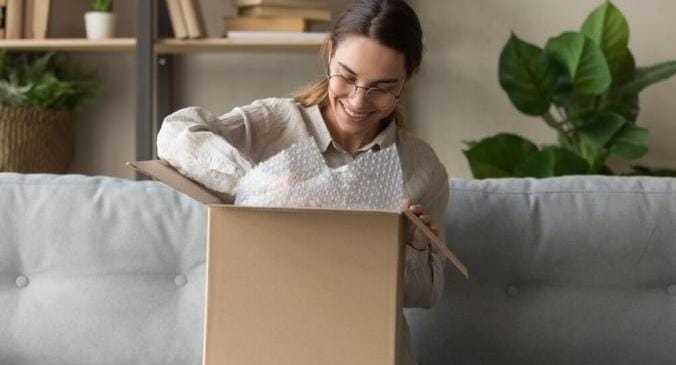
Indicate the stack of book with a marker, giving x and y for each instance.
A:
(24, 19)
(186, 19)
(286, 16)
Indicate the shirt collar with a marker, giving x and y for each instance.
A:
(322, 136)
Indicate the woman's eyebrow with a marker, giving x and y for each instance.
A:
(384, 81)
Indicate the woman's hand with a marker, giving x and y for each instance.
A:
(416, 238)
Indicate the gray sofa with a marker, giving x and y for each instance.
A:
(574, 270)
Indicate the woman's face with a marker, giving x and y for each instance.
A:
(368, 64)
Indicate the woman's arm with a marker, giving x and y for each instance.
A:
(424, 269)
(211, 150)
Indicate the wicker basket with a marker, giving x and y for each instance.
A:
(35, 140)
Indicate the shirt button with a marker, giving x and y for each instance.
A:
(21, 281)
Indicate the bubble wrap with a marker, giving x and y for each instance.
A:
(299, 177)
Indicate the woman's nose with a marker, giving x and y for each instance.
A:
(359, 98)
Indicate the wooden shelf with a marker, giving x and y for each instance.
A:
(172, 45)
(70, 45)
(168, 45)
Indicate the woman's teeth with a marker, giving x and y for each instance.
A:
(354, 114)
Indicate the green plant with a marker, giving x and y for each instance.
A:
(102, 5)
(585, 85)
(41, 80)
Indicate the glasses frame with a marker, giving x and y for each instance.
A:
(356, 87)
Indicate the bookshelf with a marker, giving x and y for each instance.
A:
(177, 46)
(70, 45)
(154, 50)
(160, 46)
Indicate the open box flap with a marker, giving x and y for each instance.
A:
(437, 243)
(162, 171)
(165, 173)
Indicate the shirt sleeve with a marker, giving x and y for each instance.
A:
(214, 151)
(424, 270)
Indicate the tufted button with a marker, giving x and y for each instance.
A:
(21, 281)
(671, 290)
(180, 280)
(512, 291)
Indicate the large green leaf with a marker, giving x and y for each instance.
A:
(631, 142)
(601, 129)
(498, 156)
(584, 61)
(608, 28)
(527, 75)
(552, 161)
(624, 105)
(596, 135)
(646, 76)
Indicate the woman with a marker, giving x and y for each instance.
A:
(373, 50)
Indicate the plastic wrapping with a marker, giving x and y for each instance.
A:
(299, 177)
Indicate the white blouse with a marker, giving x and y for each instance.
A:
(218, 150)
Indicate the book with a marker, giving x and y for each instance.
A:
(283, 11)
(317, 4)
(27, 19)
(3, 8)
(14, 23)
(265, 24)
(177, 19)
(276, 36)
(40, 18)
(194, 20)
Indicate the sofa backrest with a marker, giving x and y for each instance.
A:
(97, 270)
(571, 270)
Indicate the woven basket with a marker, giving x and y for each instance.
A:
(35, 140)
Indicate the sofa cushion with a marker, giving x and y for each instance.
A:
(571, 270)
(98, 270)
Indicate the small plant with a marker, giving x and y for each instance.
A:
(105, 6)
(583, 84)
(40, 80)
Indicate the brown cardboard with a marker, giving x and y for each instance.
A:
(165, 173)
(312, 287)
(296, 285)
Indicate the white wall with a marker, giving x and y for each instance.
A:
(104, 128)
(456, 97)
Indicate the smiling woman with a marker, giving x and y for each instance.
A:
(373, 50)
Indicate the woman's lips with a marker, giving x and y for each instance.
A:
(355, 115)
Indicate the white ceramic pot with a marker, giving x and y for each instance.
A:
(99, 24)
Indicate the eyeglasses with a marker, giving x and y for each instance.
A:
(344, 86)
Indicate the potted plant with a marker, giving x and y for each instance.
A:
(100, 21)
(583, 84)
(37, 97)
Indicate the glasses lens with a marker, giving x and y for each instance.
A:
(381, 99)
(341, 86)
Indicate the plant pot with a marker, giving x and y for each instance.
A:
(35, 140)
(99, 24)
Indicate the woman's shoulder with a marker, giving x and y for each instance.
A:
(420, 158)
(417, 148)
(274, 104)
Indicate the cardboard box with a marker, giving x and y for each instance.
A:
(299, 286)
